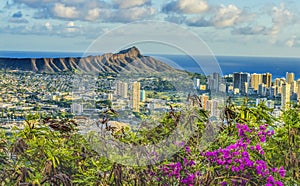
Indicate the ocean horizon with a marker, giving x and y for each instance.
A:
(277, 66)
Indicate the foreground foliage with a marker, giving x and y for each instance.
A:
(251, 148)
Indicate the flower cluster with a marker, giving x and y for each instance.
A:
(181, 170)
(236, 157)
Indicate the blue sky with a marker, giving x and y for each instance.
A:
(239, 28)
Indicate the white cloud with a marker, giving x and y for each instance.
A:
(92, 10)
(62, 11)
(293, 42)
(48, 26)
(130, 3)
(186, 6)
(71, 27)
(220, 17)
(52, 29)
(71, 24)
(93, 14)
(281, 17)
(193, 6)
(290, 43)
(227, 16)
(131, 14)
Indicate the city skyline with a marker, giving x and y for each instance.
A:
(249, 28)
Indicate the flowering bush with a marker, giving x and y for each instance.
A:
(252, 153)
(239, 159)
(239, 163)
(182, 172)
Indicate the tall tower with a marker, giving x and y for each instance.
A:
(285, 96)
(298, 90)
(136, 96)
(204, 98)
(290, 77)
(239, 82)
(256, 80)
(267, 79)
(122, 89)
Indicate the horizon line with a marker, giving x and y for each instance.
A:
(145, 54)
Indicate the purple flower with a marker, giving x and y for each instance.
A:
(185, 161)
(245, 154)
(274, 169)
(270, 133)
(262, 139)
(258, 147)
(281, 172)
(187, 149)
(189, 179)
(224, 183)
(278, 183)
(270, 179)
(192, 163)
(262, 127)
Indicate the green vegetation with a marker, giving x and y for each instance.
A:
(52, 152)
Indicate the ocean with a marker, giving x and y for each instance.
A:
(277, 66)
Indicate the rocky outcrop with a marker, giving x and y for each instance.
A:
(129, 60)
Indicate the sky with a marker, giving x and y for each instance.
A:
(230, 28)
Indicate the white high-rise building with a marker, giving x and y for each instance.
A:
(285, 96)
(215, 107)
(136, 96)
(298, 89)
(290, 77)
(122, 89)
(77, 108)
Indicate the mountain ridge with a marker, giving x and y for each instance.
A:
(128, 60)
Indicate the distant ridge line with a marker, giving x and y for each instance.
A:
(128, 60)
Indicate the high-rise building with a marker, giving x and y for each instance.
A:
(272, 91)
(204, 99)
(214, 106)
(77, 108)
(256, 80)
(246, 86)
(222, 87)
(136, 96)
(110, 96)
(262, 90)
(213, 82)
(122, 89)
(290, 77)
(197, 83)
(239, 82)
(267, 79)
(293, 87)
(277, 82)
(285, 96)
(143, 96)
(298, 90)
